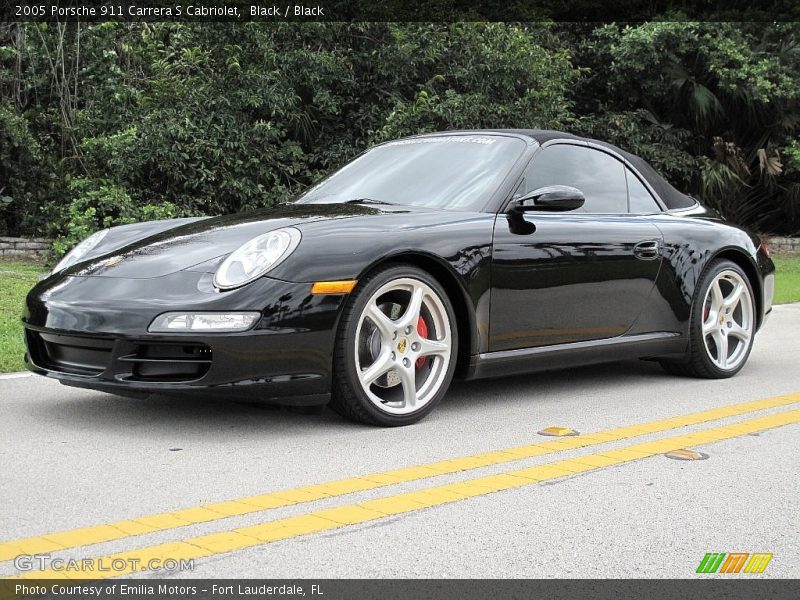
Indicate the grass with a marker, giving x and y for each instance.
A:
(17, 277)
(787, 279)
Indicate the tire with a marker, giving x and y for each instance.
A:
(382, 350)
(722, 325)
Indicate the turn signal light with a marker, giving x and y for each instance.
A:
(333, 287)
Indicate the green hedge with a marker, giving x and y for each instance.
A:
(109, 123)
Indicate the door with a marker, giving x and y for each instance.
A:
(573, 276)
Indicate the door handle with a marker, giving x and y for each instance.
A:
(648, 250)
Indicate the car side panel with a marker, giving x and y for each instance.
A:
(568, 277)
(690, 243)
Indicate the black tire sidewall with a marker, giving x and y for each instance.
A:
(345, 346)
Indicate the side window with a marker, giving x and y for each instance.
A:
(599, 176)
(640, 200)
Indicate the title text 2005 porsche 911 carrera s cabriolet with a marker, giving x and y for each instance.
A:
(465, 253)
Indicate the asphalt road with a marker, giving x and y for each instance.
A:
(72, 459)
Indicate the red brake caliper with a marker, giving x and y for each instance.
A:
(422, 330)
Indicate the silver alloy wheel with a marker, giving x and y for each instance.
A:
(728, 320)
(401, 369)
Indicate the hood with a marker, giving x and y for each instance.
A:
(208, 240)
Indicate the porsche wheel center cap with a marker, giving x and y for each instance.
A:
(402, 345)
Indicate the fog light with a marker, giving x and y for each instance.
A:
(203, 321)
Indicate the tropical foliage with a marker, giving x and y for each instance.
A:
(715, 105)
(108, 123)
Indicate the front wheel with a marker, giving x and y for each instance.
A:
(723, 324)
(396, 348)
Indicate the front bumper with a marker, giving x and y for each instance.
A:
(91, 332)
(767, 270)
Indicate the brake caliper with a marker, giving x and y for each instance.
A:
(422, 330)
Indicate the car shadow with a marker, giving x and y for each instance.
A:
(90, 410)
(575, 380)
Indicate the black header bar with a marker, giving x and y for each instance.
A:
(400, 10)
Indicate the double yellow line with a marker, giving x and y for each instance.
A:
(371, 510)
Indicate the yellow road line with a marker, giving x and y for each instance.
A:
(372, 510)
(85, 536)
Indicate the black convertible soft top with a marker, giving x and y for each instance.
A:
(670, 196)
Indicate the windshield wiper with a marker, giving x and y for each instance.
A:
(366, 201)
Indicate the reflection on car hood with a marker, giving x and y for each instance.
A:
(202, 241)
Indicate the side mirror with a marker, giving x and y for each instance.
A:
(551, 198)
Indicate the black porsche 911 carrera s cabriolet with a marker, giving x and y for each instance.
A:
(464, 253)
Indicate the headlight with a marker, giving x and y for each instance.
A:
(81, 250)
(256, 257)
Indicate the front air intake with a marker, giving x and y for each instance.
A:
(168, 362)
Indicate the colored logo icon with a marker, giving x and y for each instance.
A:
(734, 562)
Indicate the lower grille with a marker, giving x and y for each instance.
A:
(168, 362)
(119, 359)
(70, 354)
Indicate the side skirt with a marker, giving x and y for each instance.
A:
(545, 358)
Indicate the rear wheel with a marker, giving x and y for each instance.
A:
(723, 324)
(396, 348)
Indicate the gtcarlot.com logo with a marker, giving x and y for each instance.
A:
(38, 562)
(734, 562)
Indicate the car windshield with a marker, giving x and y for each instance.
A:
(457, 172)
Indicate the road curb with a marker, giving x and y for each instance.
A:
(15, 375)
